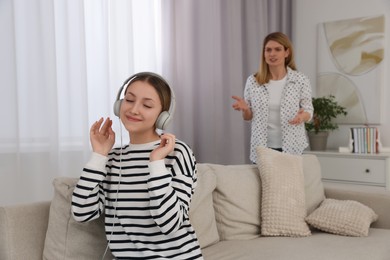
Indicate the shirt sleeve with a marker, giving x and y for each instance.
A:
(88, 196)
(171, 186)
(306, 97)
(247, 92)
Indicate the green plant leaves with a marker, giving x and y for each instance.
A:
(325, 109)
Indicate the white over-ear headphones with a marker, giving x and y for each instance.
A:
(165, 117)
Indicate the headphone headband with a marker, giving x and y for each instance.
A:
(165, 116)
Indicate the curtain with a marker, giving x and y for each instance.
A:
(62, 63)
(210, 48)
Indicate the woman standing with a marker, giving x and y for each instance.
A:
(277, 100)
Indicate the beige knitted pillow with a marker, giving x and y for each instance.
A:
(283, 209)
(343, 217)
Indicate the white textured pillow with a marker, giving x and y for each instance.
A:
(202, 216)
(283, 208)
(343, 217)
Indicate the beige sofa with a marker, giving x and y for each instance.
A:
(226, 213)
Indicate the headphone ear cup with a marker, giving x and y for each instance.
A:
(163, 120)
(117, 107)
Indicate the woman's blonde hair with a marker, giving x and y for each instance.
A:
(263, 75)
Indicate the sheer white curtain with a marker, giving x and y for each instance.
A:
(62, 63)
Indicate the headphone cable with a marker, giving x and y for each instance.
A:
(117, 191)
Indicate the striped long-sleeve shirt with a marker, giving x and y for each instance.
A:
(146, 204)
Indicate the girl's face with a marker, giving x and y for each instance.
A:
(275, 54)
(140, 108)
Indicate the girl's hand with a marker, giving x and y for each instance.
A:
(240, 104)
(102, 137)
(166, 146)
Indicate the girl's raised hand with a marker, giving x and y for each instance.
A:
(166, 146)
(102, 137)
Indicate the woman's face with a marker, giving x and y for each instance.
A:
(140, 108)
(275, 54)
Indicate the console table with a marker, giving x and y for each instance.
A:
(354, 168)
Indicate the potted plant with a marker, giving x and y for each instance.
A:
(325, 110)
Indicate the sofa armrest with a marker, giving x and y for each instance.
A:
(23, 230)
(376, 198)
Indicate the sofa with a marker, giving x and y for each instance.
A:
(229, 215)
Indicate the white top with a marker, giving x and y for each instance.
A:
(274, 128)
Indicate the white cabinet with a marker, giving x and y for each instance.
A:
(367, 169)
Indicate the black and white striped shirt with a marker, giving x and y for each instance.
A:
(146, 204)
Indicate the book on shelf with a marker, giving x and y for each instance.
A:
(364, 139)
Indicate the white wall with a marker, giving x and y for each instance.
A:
(307, 14)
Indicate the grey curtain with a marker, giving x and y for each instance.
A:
(209, 49)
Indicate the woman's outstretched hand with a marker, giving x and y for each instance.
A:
(300, 117)
(240, 104)
(166, 146)
(102, 137)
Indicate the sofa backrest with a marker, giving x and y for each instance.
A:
(237, 201)
(226, 205)
(237, 196)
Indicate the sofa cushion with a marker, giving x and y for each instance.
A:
(202, 214)
(343, 217)
(314, 189)
(237, 201)
(66, 238)
(318, 246)
(283, 208)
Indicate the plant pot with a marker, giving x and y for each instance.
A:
(318, 141)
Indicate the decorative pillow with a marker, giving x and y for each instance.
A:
(283, 208)
(314, 189)
(343, 217)
(237, 201)
(66, 238)
(202, 214)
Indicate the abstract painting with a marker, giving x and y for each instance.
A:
(351, 66)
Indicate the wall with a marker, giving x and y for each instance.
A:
(307, 14)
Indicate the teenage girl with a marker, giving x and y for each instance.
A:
(145, 187)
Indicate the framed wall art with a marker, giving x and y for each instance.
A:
(351, 66)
